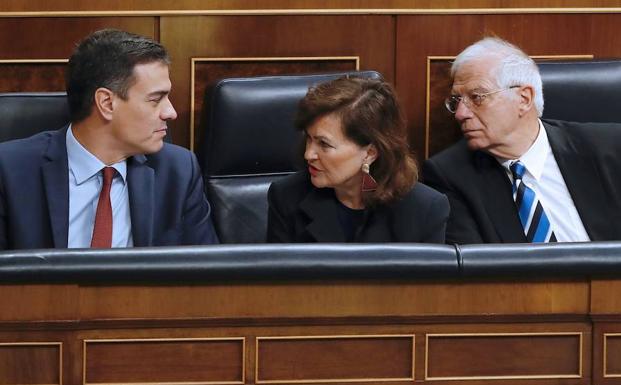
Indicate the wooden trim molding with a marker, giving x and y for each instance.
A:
(275, 12)
(32, 61)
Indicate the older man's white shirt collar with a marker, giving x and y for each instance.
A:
(534, 158)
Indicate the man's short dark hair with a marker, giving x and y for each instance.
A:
(107, 59)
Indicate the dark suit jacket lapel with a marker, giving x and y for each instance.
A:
(320, 207)
(140, 180)
(55, 171)
(583, 181)
(497, 198)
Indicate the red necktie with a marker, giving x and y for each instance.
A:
(102, 231)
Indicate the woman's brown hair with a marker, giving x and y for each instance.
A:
(370, 114)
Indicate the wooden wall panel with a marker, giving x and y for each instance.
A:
(606, 310)
(55, 38)
(32, 77)
(144, 326)
(446, 129)
(421, 36)
(169, 360)
(504, 356)
(603, 303)
(335, 359)
(38, 302)
(30, 363)
(338, 298)
(133, 5)
(607, 350)
(369, 37)
(612, 349)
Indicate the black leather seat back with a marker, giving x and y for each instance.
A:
(582, 91)
(249, 141)
(239, 207)
(25, 114)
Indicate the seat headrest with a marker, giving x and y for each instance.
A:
(25, 114)
(249, 123)
(582, 91)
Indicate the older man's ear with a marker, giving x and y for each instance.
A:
(526, 95)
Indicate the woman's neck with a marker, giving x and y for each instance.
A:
(351, 198)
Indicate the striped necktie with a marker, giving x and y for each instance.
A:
(536, 224)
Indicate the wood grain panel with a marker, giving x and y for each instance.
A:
(334, 359)
(335, 299)
(498, 356)
(366, 36)
(135, 5)
(33, 312)
(30, 363)
(32, 77)
(55, 38)
(422, 36)
(446, 130)
(38, 302)
(207, 72)
(602, 302)
(607, 351)
(612, 351)
(171, 360)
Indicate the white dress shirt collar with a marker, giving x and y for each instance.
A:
(534, 158)
(84, 165)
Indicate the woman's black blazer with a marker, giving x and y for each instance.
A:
(300, 212)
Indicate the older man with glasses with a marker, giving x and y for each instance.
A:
(514, 177)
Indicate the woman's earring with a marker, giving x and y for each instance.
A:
(368, 182)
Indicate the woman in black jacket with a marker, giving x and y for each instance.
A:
(360, 184)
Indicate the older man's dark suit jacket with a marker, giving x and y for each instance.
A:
(299, 212)
(479, 191)
(167, 202)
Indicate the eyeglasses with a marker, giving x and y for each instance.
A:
(472, 100)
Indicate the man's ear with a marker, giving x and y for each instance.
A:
(104, 102)
(371, 154)
(527, 99)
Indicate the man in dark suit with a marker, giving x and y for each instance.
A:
(107, 179)
(568, 186)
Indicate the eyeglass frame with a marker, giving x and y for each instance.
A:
(467, 100)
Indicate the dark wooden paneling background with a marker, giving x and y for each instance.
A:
(133, 5)
(379, 332)
(394, 37)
